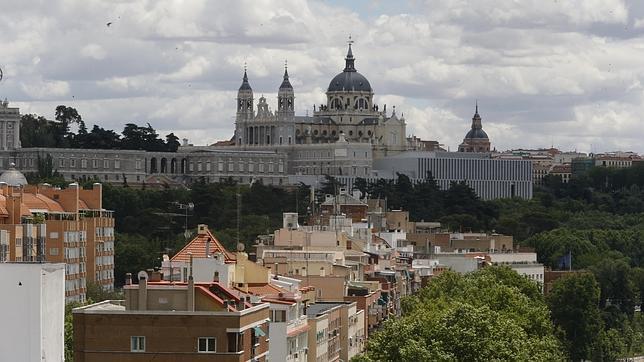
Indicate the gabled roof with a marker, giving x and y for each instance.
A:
(197, 247)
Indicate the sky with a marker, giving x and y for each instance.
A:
(563, 73)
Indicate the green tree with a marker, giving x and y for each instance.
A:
(172, 142)
(492, 314)
(574, 303)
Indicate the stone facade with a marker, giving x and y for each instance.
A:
(140, 167)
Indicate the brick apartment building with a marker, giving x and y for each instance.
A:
(172, 321)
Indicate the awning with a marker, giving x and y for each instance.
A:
(259, 332)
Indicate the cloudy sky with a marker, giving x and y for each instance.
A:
(566, 73)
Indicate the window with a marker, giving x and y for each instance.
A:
(117, 164)
(235, 341)
(61, 163)
(206, 345)
(279, 316)
(106, 163)
(94, 163)
(84, 163)
(137, 344)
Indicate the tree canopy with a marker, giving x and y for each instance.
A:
(37, 131)
(489, 315)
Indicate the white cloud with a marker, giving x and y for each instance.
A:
(543, 71)
(46, 89)
(93, 51)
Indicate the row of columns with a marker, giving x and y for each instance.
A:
(259, 135)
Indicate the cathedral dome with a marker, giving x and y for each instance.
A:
(13, 177)
(476, 133)
(349, 80)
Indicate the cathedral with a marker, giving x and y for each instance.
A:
(349, 114)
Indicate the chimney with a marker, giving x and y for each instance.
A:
(128, 278)
(202, 229)
(143, 291)
(240, 304)
(208, 247)
(191, 294)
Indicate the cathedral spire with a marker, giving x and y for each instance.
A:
(286, 84)
(350, 60)
(476, 119)
(245, 84)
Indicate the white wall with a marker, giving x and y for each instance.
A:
(33, 312)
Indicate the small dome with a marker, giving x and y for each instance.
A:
(349, 81)
(13, 177)
(476, 133)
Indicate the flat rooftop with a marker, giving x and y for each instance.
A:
(317, 309)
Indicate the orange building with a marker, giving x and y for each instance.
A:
(45, 223)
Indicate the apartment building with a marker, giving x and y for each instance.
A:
(174, 321)
(339, 326)
(32, 312)
(70, 226)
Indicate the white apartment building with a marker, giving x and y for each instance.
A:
(33, 312)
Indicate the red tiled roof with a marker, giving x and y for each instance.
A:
(197, 247)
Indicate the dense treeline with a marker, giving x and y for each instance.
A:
(152, 222)
(37, 131)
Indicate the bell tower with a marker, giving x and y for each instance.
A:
(245, 100)
(285, 98)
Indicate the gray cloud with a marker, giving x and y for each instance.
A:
(567, 73)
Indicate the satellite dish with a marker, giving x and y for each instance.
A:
(142, 275)
(240, 247)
